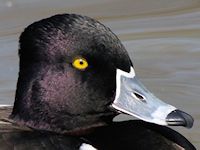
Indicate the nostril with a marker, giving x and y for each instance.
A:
(138, 96)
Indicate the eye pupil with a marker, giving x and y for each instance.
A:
(81, 62)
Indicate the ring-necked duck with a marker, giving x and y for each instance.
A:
(75, 76)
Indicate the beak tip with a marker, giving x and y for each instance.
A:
(179, 118)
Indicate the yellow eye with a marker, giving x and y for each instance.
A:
(80, 63)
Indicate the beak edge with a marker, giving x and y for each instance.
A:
(179, 118)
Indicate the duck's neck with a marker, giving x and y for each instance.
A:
(41, 117)
(73, 125)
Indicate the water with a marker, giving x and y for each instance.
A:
(161, 36)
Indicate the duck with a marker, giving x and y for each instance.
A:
(75, 76)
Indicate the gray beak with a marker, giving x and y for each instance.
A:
(134, 99)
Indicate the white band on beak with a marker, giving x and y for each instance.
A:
(120, 73)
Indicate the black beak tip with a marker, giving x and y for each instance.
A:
(179, 118)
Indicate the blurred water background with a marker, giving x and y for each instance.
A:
(162, 37)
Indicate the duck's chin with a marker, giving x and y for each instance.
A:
(71, 125)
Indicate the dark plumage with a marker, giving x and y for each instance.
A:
(46, 76)
(58, 106)
(50, 86)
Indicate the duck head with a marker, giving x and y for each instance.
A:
(75, 74)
